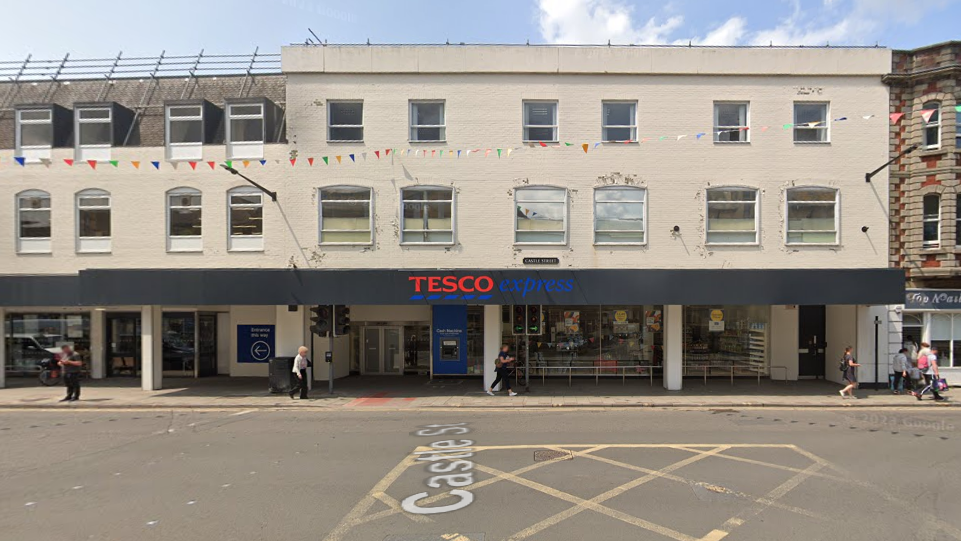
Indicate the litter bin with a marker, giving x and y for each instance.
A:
(280, 375)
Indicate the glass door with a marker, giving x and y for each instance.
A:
(206, 345)
(383, 350)
(179, 340)
(123, 345)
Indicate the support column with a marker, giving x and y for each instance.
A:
(673, 347)
(3, 352)
(291, 334)
(151, 348)
(492, 341)
(97, 363)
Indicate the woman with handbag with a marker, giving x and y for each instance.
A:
(503, 368)
(931, 376)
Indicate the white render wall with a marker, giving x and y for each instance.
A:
(483, 88)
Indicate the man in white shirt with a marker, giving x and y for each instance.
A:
(900, 369)
(301, 362)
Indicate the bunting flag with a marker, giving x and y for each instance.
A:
(813, 124)
(568, 144)
(325, 160)
(263, 162)
(387, 152)
(193, 165)
(661, 138)
(895, 117)
(926, 114)
(584, 146)
(338, 158)
(543, 144)
(842, 119)
(364, 155)
(115, 163)
(458, 154)
(488, 152)
(377, 153)
(156, 165)
(92, 163)
(679, 137)
(21, 160)
(498, 153)
(441, 153)
(597, 145)
(212, 164)
(175, 165)
(136, 165)
(310, 162)
(764, 128)
(293, 162)
(246, 163)
(351, 157)
(68, 161)
(867, 117)
(788, 126)
(957, 108)
(468, 153)
(230, 164)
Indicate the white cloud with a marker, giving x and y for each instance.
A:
(597, 21)
(729, 33)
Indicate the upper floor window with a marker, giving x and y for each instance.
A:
(245, 130)
(185, 132)
(34, 133)
(246, 219)
(540, 121)
(812, 216)
(732, 216)
(957, 221)
(427, 121)
(540, 215)
(931, 218)
(94, 129)
(620, 121)
(345, 215)
(731, 122)
(184, 220)
(33, 222)
(428, 215)
(811, 122)
(619, 214)
(957, 127)
(345, 121)
(931, 117)
(93, 221)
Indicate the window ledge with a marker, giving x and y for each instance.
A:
(812, 244)
(528, 141)
(824, 143)
(427, 142)
(347, 141)
(37, 252)
(732, 142)
(428, 243)
(245, 250)
(200, 251)
(81, 252)
(620, 244)
(540, 244)
(939, 151)
(734, 244)
(345, 244)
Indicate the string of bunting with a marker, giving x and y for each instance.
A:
(926, 115)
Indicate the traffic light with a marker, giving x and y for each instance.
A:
(518, 316)
(320, 319)
(341, 320)
(534, 320)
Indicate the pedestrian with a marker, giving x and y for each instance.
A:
(301, 363)
(900, 368)
(850, 373)
(912, 347)
(72, 365)
(503, 368)
(931, 375)
(922, 353)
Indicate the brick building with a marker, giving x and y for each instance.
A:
(675, 211)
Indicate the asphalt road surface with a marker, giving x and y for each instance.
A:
(753, 474)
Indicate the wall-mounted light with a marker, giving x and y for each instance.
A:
(676, 229)
(864, 229)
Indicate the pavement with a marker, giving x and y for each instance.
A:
(729, 474)
(390, 393)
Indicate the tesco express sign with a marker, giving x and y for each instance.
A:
(479, 287)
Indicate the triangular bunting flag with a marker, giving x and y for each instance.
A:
(364, 155)
(21, 160)
(788, 126)
(458, 154)
(895, 117)
(46, 163)
(679, 137)
(325, 160)
(230, 163)
(387, 152)
(310, 162)
(568, 144)
(957, 108)
(115, 163)
(488, 153)
(441, 153)
(661, 138)
(68, 161)
(764, 128)
(136, 165)
(293, 162)
(377, 153)
(246, 163)
(584, 146)
(842, 119)
(743, 128)
(867, 117)
(351, 157)
(212, 164)
(174, 165)
(92, 163)
(156, 165)
(543, 144)
(263, 162)
(193, 165)
(498, 153)
(338, 158)
(450, 153)
(702, 134)
(926, 114)
(596, 145)
(813, 124)
(509, 152)
(432, 153)
(468, 152)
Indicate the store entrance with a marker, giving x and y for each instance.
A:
(123, 345)
(383, 350)
(811, 342)
(206, 345)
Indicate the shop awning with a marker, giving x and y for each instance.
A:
(186, 287)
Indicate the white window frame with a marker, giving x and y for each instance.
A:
(605, 125)
(837, 215)
(183, 151)
(184, 243)
(96, 245)
(361, 125)
(370, 217)
(747, 123)
(34, 153)
(526, 126)
(757, 214)
(643, 204)
(245, 243)
(936, 125)
(931, 244)
(33, 245)
(826, 127)
(566, 203)
(253, 150)
(957, 127)
(453, 216)
(415, 127)
(92, 152)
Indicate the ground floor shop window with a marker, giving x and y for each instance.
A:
(475, 340)
(945, 334)
(179, 341)
(718, 339)
(390, 348)
(31, 338)
(593, 340)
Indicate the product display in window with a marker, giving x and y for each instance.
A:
(722, 339)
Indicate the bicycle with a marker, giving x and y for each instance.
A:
(50, 373)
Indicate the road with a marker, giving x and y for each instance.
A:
(752, 474)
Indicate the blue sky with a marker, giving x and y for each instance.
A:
(101, 28)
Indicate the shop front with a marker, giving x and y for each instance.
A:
(934, 316)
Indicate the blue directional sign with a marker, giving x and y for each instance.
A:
(255, 343)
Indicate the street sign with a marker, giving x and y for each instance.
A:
(542, 261)
(255, 343)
